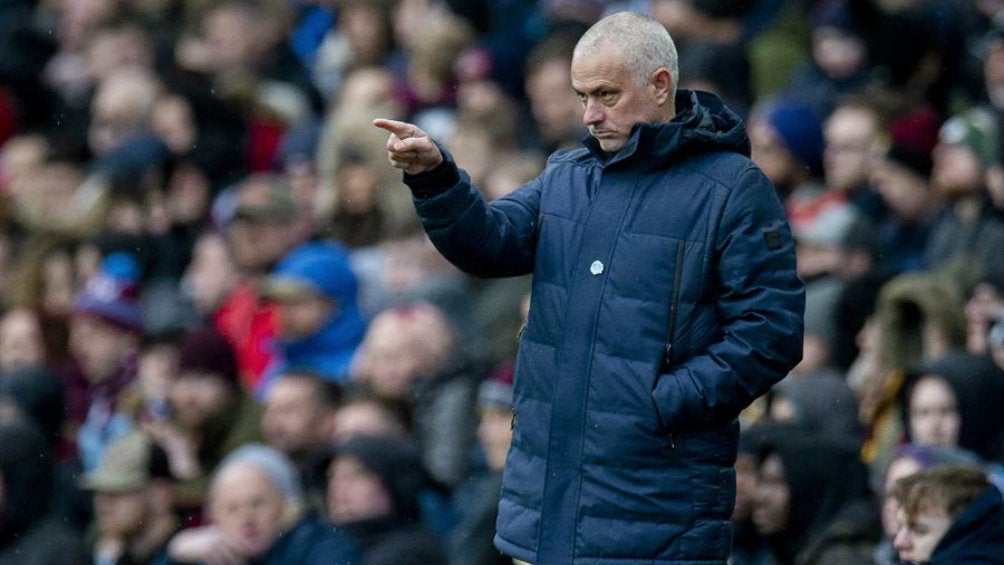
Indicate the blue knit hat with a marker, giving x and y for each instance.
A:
(800, 130)
(112, 294)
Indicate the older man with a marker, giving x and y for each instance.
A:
(664, 301)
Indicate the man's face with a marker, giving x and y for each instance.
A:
(294, 418)
(99, 347)
(612, 100)
(898, 469)
(121, 514)
(850, 135)
(354, 492)
(554, 108)
(957, 171)
(21, 342)
(197, 397)
(770, 510)
(248, 509)
(918, 536)
(304, 316)
(903, 191)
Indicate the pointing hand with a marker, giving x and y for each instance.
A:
(409, 148)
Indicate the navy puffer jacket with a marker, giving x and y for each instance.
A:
(664, 301)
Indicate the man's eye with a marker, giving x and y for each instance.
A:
(606, 96)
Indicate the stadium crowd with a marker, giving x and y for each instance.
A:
(225, 339)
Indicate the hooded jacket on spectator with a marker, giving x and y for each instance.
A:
(29, 535)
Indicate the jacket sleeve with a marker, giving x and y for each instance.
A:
(496, 239)
(760, 303)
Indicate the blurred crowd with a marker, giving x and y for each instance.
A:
(225, 338)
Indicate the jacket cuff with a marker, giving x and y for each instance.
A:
(434, 181)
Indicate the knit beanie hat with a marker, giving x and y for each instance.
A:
(917, 162)
(977, 131)
(800, 130)
(208, 351)
(112, 294)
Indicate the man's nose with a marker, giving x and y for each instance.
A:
(901, 540)
(592, 114)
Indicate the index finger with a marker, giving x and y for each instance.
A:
(403, 130)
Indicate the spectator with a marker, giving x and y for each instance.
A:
(211, 415)
(319, 322)
(813, 503)
(950, 401)
(260, 230)
(105, 332)
(476, 501)
(909, 459)
(29, 534)
(950, 514)
(787, 141)
(258, 515)
(373, 487)
(969, 230)
(902, 177)
(132, 503)
(411, 356)
(299, 416)
(364, 413)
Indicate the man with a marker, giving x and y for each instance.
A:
(211, 415)
(319, 320)
(299, 416)
(259, 515)
(264, 228)
(949, 514)
(106, 325)
(132, 503)
(664, 301)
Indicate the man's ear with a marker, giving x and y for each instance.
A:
(662, 84)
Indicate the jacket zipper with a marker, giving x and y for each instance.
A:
(674, 308)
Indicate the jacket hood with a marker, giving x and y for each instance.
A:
(26, 472)
(824, 478)
(978, 385)
(703, 123)
(977, 535)
(823, 404)
(905, 304)
(38, 392)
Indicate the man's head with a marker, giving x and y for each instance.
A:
(130, 487)
(902, 179)
(263, 228)
(967, 146)
(555, 109)
(930, 501)
(313, 286)
(850, 133)
(299, 413)
(624, 71)
(207, 380)
(404, 344)
(107, 319)
(252, 497)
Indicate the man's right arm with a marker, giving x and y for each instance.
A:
(489, 240)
